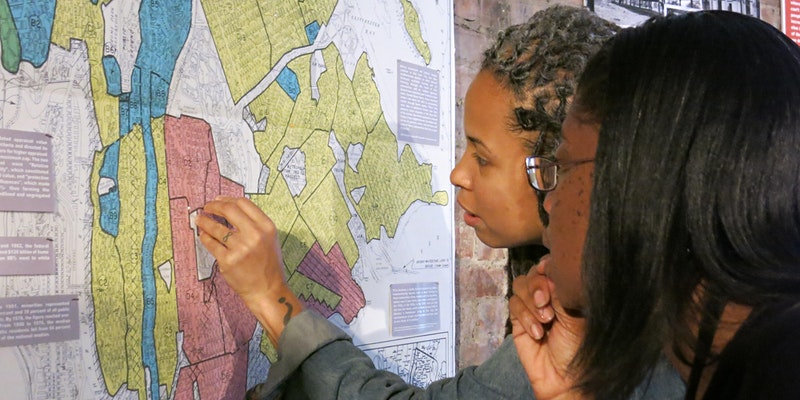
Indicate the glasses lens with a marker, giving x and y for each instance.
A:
(541, 173)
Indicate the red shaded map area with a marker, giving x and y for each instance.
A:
(332, 272)
(216, 325)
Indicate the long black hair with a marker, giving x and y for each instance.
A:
(696, 185)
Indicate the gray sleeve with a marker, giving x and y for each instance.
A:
(304, 334)
(318, 361)
(499, 377)
(342, 371)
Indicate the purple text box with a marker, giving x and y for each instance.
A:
(415, 308)
(417, 104)
(41, 319)
(26, 256)
(27, 175)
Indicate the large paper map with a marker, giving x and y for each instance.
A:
(334, 116)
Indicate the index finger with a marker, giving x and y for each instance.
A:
(541, 266)
(520, 313)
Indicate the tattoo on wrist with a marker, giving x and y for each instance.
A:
(289, 309)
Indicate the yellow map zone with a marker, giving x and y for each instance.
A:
(412, 26)
(299, 240)
(352, 122)
(326, 212)
(348, 108)
(290, 123)
(252, 36)
(166, 323)
(306, 287)
(351, 109)
(308, 121)
(117, 278)
(367, 96)
(391, 184)
(80, 19)
(326, 215)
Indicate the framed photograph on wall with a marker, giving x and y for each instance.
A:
(634, 12)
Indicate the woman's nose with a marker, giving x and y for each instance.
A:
(459, 176)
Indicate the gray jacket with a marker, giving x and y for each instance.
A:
(317, 360)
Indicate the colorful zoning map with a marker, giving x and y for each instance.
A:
(334, 116)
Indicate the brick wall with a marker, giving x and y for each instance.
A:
(481, 309)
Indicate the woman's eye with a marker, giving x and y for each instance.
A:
(481, 161)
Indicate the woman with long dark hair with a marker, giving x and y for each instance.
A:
(674, 203)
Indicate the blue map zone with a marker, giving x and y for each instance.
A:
(33, 20)
(312, 30)
(287, 80)
(109, 202)
(113, 75)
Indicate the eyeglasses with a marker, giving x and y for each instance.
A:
(543, 171)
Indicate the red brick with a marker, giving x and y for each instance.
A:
(479, 282)
(470, 10)
(486, 253)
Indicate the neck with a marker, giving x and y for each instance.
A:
(732, 318)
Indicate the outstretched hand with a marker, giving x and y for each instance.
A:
(248, 254)
(545, 335)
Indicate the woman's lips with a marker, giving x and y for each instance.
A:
(471, 219)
